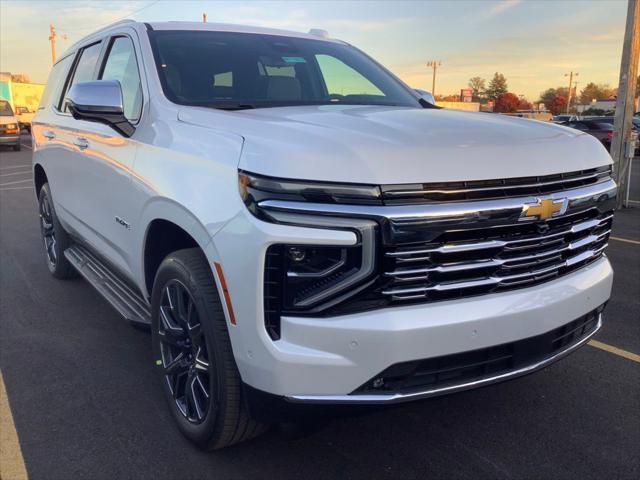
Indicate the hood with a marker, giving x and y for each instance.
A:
(387, 145)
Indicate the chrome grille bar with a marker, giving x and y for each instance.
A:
(495, 280)
(491, 244)
(515, 186)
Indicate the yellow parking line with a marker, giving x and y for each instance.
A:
(615, 350)
(11, 461)
(626, 240)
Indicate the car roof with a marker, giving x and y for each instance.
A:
(198, 27)
(229, 27)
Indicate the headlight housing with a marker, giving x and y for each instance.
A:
(304, 279)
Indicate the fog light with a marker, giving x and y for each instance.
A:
(297, 254)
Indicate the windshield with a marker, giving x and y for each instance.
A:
(5, 109)
(244, 70)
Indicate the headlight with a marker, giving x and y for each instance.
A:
(303, 279)
(256, 188)
(11, 126)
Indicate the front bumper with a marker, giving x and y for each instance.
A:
(327, 359)
(9, 139)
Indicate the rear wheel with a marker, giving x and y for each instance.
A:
(56, 240)
(193, 353)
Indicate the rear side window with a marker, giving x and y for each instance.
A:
(121, 65)
(86, 65)
(55, 83)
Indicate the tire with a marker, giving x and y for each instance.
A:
(17, 147)
(56, 240)
(191, 345)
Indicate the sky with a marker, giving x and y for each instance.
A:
(532, 42)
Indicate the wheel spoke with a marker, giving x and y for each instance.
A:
(202, 387)
(192, 397)
(201, 364)
(169, 323)
(176, 366)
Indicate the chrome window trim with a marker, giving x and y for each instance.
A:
(405, 397)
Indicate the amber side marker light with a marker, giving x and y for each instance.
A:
(225, 292)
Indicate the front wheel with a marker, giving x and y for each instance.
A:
(55, 238)
(193, 354)
(17, 147)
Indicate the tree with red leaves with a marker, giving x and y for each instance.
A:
(507, 103)
(524, 105)
(557, 104)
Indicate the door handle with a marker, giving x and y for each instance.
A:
(81, 143)
(49, 134)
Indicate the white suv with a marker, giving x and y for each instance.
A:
(297, 226)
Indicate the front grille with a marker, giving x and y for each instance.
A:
(478, 365)
(428, 252)
(468, 262)
(491, 189)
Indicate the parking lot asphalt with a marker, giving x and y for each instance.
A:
(86, 404)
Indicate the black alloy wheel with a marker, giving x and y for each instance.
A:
(48, 231)
(193, 354)
(184, 352)
(55, 238)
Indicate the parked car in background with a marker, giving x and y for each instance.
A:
(24, 116)
(564, 118)
(9, 129)
(610, 119)
(600, 129)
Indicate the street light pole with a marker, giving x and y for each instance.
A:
(52, 39)
(570, 75)
(434, 64)
(622, 127)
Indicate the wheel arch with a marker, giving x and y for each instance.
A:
(168, 227)
(39, 178)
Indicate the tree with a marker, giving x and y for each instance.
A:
(477, 86)
(598, 91)
(549, 94)
(506, 103)
(524, 105)
(21, 78)
(497, 86)
(557, 105)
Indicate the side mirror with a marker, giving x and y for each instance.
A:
(426, 96)
(99, 101)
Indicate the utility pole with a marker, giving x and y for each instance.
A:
(434, 64)
(621, 148)
(570, 75)
(204, 17)
(52, 39)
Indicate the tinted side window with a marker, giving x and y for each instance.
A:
(86, 65)
(121, 65)
(55, 83)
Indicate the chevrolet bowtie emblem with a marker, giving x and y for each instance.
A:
(544, 208)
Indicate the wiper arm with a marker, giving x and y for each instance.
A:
(233, 106)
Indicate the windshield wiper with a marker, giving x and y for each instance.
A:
(232, 106)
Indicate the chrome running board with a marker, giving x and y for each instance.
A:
(128, 302)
